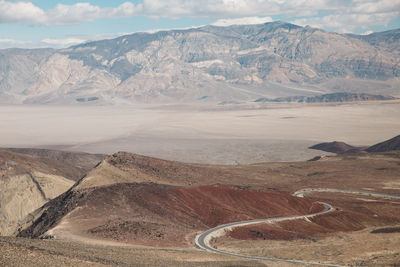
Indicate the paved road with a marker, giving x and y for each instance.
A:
(358, 192)
(203, 240)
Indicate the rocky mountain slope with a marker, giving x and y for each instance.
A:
(387, 40)
(28, 181)
(204, 64)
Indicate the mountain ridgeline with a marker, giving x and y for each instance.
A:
(206, 64)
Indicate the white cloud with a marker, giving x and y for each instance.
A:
(216, 9)
(242, 21)
(56, 43)
(85, 12)
(356, 14)
(28, 13)
(367, 32)
(63, 42)
(375, 6)
(338, 15)
(13, 42)
(20, 12)
(61, 14)
(348, 22)
(8, 43)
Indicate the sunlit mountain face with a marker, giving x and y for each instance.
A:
(206, 64)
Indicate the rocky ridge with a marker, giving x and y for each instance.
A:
(206, 64)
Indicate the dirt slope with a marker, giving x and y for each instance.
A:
(141, 200)
(28, 181)
(388, 145)
(124, 167)
(159, 215)
(72, 165)
(42, 253)
(125, 199)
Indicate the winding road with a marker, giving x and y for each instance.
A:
(203, 240)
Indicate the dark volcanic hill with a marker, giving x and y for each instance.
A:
(334, 147)
(235, 63)
(329, 98)
(388, 145)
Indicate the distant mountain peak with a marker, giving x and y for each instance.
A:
(228, 64)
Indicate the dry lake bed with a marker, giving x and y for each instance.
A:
(200, 134)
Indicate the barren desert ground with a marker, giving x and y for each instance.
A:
(199, 134)
(137, 210)
(132, 210)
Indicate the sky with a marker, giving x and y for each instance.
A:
(49, 23)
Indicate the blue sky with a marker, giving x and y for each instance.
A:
(45, 23)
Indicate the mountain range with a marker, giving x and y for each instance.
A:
(205, 64)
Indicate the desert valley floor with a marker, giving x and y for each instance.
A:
(127, 209)
(232, 134)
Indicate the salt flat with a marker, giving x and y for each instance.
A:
(281, 133)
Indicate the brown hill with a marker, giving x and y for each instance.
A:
(388, 145)
(138, 199)
(141, 200)
(156, 214)
(334, 147)
(123, 167)
(31, 178)
(72, 165)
